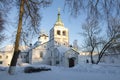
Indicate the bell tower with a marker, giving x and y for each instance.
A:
(59, 34)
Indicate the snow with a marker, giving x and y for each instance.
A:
(62, 49)
(79, 72)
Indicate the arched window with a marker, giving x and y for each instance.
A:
(58, 32)
(64, 33)
(41, 54)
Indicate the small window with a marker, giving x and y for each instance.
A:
(41, 54)
(64, 33)
(6, 57)
(1, 62)
(58, 32)
(56, 43)
(57, 62)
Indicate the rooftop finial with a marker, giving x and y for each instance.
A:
(59, 19)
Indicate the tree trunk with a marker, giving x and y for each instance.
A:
(108, 44)
(91, 55)
(99, 58)
(16, 48)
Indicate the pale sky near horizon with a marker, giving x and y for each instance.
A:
(49, 17)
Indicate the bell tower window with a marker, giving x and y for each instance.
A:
(64, 33)
(58, 32)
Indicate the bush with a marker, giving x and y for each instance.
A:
(33, 69)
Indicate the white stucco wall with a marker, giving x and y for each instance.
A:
(7, 58)
(1, 58)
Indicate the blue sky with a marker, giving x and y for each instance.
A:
(49, 17)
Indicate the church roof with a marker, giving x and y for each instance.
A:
(62, 49)
(59, 21)
(43, 35)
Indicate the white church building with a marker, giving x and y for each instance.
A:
(54, 50)
(51, 50)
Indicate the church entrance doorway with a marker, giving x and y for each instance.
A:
(71, 62)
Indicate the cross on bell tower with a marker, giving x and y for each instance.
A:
(59, 19)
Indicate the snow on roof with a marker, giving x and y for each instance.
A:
(62, 49)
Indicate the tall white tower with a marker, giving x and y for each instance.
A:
(59, 34)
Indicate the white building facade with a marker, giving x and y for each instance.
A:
(7, 53)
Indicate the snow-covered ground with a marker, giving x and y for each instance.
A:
(79, 72)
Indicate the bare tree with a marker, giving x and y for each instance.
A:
(2, 20)
(91, 34)
(113, 37)
(97, 8)
(28, 13)
(95, 43)
(1, 28)
(100, 10)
